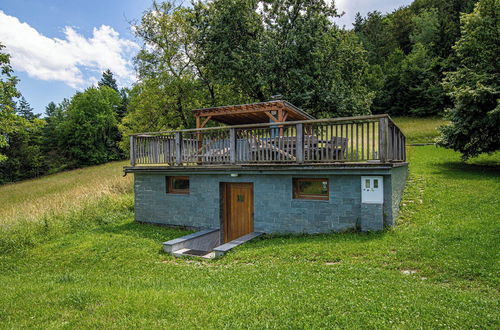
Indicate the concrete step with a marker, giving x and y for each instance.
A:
(204, 244)
(225, 248)
(193, 253)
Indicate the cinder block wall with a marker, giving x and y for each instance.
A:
(399, 175)
(275, 210)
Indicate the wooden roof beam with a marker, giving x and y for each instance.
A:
(268, 113)
(205, 121)
(220, 112)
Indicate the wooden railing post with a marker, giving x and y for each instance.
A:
(300, 142)
(178, 148)
(383, 139)
(232, 145)
(132, 150)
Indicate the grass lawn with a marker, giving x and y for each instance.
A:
(93, 266)
(420, 130)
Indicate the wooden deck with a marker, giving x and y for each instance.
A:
(364, 139)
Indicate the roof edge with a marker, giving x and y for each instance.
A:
(284, 102)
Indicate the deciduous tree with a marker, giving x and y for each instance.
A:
(90, 127)
(474, 87)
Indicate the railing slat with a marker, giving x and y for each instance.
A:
(316, 141)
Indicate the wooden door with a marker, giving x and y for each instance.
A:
(237, 210)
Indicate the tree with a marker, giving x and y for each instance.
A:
(411, 84)
(312, 62)
(53, 139)
(474, 86)
(230, 40)
(448, 14)
(24, 155)
(25, 110)
(420, 78)
(426, 30)
(375, 33)
(288, 48)
(401, 25)
(90, 127)
(8, 91)
(174, 77)
(108, 80)
(170, 59)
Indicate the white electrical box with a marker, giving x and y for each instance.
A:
(372, 189)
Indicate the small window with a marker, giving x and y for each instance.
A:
(367, 183)
(310, 189)
(375, 183)
(177, 184)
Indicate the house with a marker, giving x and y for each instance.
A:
(271, 168)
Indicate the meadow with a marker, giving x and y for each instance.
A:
(420, 130)
(85, 263)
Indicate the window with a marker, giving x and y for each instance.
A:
(310, 189)
(177, 184)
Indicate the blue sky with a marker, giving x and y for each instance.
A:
(58, 47)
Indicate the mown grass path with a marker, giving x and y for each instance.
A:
(437, 268)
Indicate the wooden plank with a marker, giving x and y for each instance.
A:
(357, 141)
(300, 143)
(312, 121)
(132, 150)
(363, 142)
(368, 141)
(383, 129)
(198, 124)
(374, 156)
(178, 148)
(205, 121)
(319, 144)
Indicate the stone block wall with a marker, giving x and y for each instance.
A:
(275, 209)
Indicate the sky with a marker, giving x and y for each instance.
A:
(59, 47)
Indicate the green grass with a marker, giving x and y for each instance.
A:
(92, 266)
(33, 200)
(420, 130)
(437, 268)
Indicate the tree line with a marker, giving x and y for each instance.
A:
(433, 57)
(77, 132)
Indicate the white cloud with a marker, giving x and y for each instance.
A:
(74, 60)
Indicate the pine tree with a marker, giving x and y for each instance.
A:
(25, 110)
(108, 80)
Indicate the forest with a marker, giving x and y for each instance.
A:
(431, 58)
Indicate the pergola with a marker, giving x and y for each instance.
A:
(277, 111)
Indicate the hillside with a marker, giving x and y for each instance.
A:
(53, 194)
(83, 254)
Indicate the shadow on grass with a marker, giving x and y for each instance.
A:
(145, 230)
(344, 237)
(282, 241)
(477, 170)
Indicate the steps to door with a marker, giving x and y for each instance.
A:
(204, 244)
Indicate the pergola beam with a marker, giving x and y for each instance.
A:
(200, 124)
(229, 111)
(269, 114)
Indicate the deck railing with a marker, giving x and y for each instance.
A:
(344, 140)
